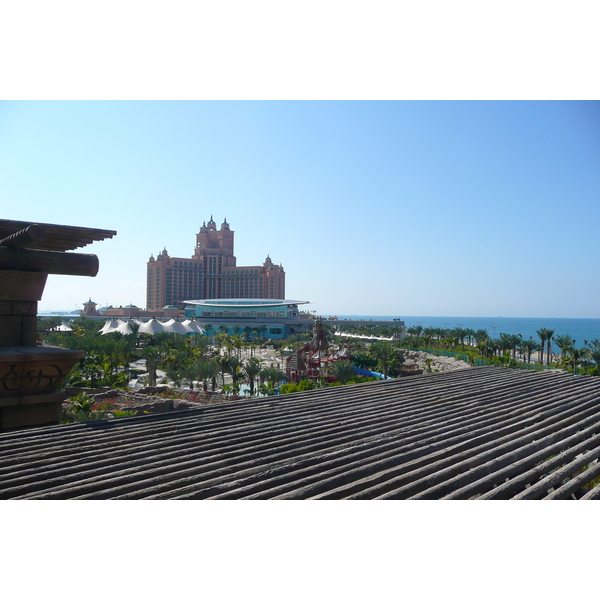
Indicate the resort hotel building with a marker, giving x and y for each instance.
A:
(210, 273)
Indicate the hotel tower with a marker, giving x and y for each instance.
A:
(210, 273)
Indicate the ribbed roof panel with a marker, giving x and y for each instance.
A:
(58, 237)
(475, 433)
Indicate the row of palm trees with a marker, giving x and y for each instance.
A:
(570, 356)
(196, 360)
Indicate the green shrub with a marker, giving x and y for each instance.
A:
(306, 384)
(288, 388)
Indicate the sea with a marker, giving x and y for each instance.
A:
(579, 329)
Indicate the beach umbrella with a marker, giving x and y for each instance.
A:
(151, 327)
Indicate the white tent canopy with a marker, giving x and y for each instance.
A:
(109, 327)
(192, 326)
(116, 326)
(153, 327)
(174, 326)
(124, 328)
(362, 337)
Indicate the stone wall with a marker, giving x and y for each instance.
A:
(439, 363)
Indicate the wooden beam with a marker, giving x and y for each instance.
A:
(44, 261)
(24, 237)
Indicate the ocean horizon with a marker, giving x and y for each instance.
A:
(579, 329)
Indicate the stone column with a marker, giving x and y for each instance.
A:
(29, 374)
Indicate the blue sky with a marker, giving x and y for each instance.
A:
(470, 208)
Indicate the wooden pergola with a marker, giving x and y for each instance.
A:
(481, 433)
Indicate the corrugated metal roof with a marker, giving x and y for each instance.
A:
(475, 433)
(58, 237)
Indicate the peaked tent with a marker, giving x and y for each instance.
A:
(174, 326)
(116, 326)
(151, 327)
(124, 328)
(108, 327)
(192, 326)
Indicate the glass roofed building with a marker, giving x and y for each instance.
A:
(265, 318)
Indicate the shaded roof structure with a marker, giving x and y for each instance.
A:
(487, 433)
(57, 237)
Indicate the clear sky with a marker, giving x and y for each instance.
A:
(470, 208)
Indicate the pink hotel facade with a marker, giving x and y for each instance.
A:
(210, 273)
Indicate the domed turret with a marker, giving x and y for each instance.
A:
(225, 225)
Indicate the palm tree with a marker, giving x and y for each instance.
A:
(152, 356)
(343, 371)
(429, 332)
(385, 354)
(594, 348)
(223, 364)
(263, 332)
(543, 337)
(506, 342)
(549, 334)
(481, 336)
(201, 345)
(204, 370)
(470, 334)
(482, 347)
(527, 347)
(564, 342)
(515, 340)
(578, 355)
(493, 347)
(252, 369)
(91, 366)
(272, 374)
(460, 333)
(594, 344)
(235, 369)
(237, 344)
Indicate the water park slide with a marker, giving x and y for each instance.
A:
(370, 373)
